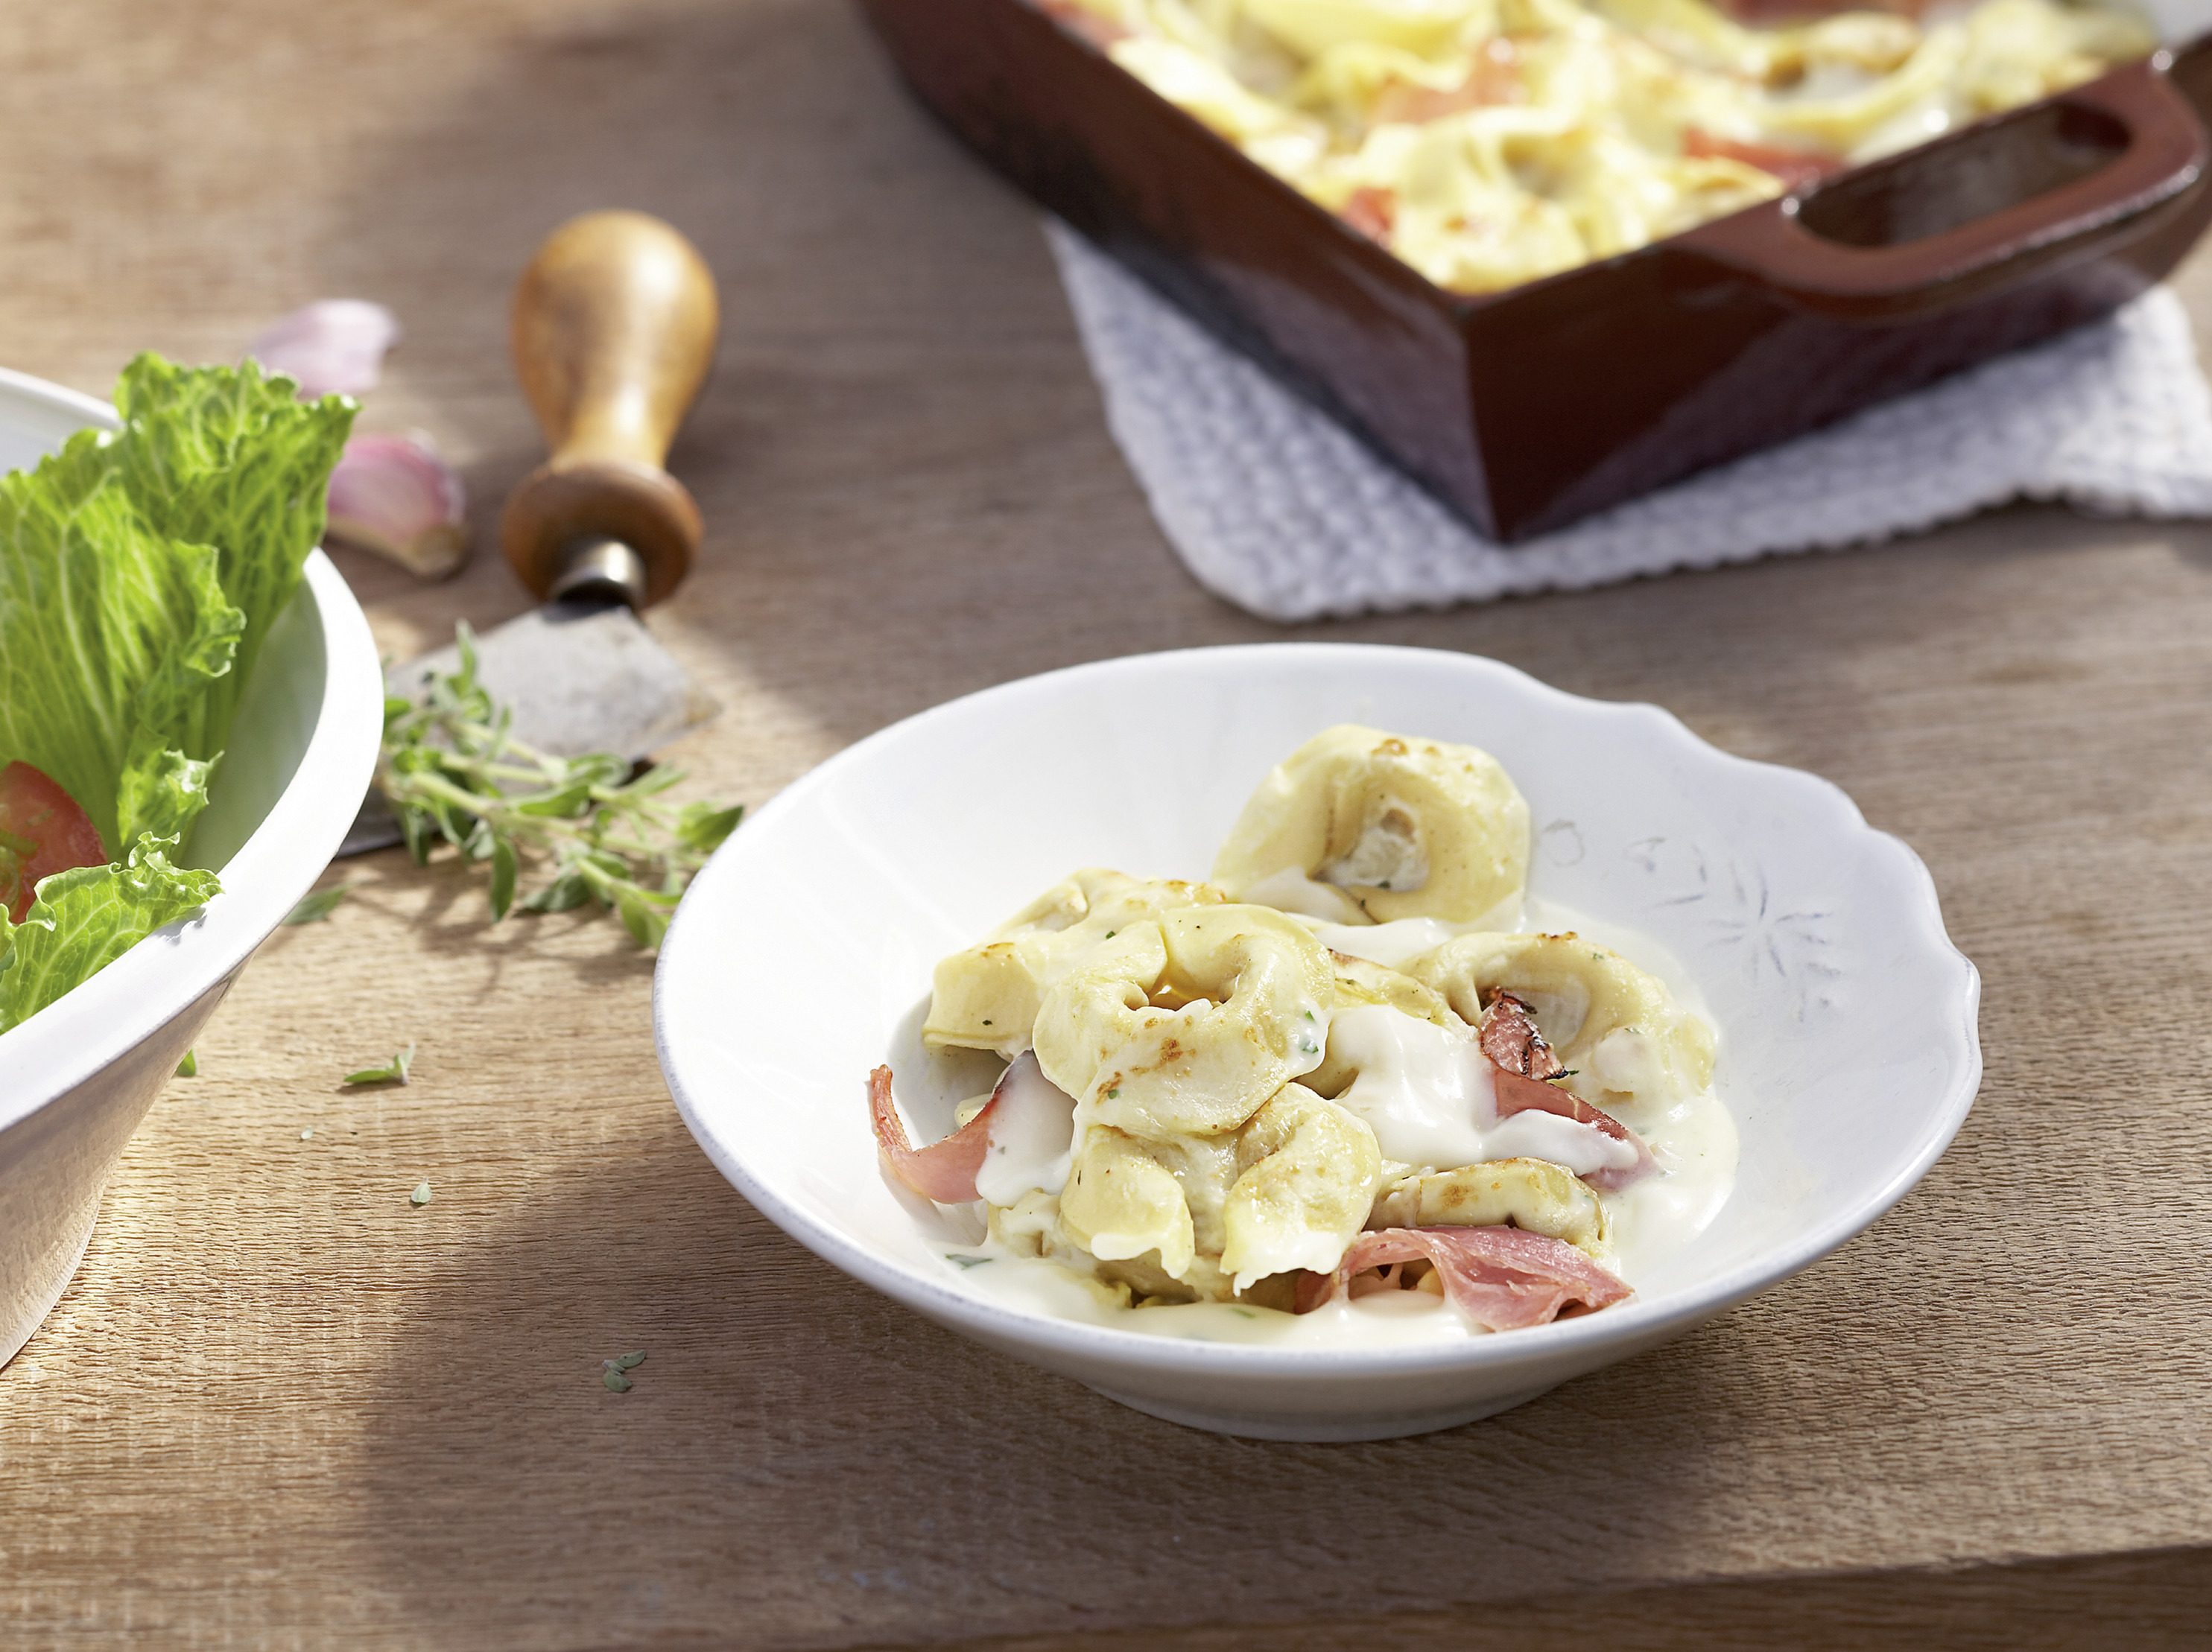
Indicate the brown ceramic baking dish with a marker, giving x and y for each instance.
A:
(1528, 408)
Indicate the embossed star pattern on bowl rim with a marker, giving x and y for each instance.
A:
(802, 954)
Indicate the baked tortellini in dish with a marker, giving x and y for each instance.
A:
(1339, 1071)
(1488, 142)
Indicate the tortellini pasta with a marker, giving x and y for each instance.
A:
(986, 997)
(1186, 1024)
(1489, 143)
(1390, 827)
(1215, 1104)
(1529, 1193)
(1120, 1202)
(1207, 1216)
(1310, 1172)
(1620, 1028)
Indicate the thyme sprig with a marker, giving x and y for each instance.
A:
(452, 770)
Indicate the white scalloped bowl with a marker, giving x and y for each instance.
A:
(77, 1078)
(1849, 1054)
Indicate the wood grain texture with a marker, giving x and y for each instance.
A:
(281, 1407)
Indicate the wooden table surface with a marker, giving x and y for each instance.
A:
(282, 1407)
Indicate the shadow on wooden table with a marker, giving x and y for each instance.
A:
(799, 1462)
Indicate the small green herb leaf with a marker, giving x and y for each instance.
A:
(504, 867)
(630, 1362)
(190, 1067)
(614, 1381)
(563, 893)
(644, 913)
(313, 908)
(701, 827)
(562, 803)
(393, 1072)
(421, 1196)
(601, 832)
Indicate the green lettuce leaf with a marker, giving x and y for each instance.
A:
(224, 457)
(140, 571)
(85, 920)
(110, 636)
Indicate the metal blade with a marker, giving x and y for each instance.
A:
(581, 678)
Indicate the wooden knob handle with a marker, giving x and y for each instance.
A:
(613, 328)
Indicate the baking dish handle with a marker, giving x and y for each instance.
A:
(2164, 153)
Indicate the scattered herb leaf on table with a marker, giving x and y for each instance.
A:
(452, 771)
(393, 1072)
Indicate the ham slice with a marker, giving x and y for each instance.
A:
(1522, 1061)
(1100, 32)
(1795, 168)
(1371, 212)
(1511, 1040)
(944, 1170)
(1502, 1279)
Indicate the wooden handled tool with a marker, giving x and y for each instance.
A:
(613, 330)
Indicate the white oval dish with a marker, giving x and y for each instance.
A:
(77, 1078)
(801, 956)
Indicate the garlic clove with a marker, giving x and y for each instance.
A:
(396, 496)
(335, 345)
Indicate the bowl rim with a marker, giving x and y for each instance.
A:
(99, 1022)
(1637, 1321)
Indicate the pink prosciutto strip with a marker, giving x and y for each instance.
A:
(944, 1170)
(1502, 1279)
(1511, 1040)
(1520, 1061)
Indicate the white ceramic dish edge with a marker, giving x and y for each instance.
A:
(81, 1033)
(76, 1078)
(1143, 1370)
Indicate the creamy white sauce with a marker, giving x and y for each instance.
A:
(1401, 941)
(1534, 1134)
(1423, 1092)
(1395, 944)
(1426, 1094)
(1434, 1101)
(1292, 891)
(1032, 1139)
(1694, 1141)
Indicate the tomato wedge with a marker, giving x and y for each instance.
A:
(42, 831)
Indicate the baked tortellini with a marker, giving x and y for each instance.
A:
(1211, 1096)
(1616, 1027)
(1358, 826)
(986, 997)
(1488, 142)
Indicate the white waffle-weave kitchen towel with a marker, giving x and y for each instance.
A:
(1277, 510)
